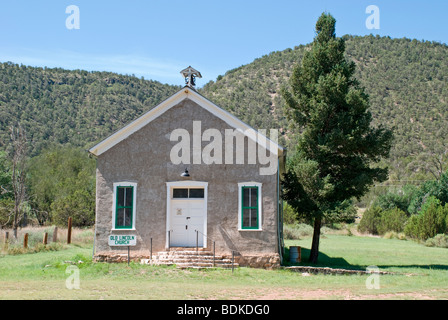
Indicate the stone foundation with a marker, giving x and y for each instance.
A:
(113, 257)
(268, 261)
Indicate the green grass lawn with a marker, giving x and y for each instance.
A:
(43, 275)
(387, 254)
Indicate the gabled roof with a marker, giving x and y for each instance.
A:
(184, 93)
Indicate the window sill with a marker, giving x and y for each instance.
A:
(239, 229)
(133, 229)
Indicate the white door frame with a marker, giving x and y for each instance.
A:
(185, 184)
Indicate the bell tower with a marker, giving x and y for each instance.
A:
(190, 74)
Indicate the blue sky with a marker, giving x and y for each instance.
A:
(157, 39)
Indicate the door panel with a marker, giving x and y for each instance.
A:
(186, 217)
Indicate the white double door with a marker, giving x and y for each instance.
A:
(187, 217)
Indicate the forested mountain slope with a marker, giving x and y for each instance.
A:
(71, 107)
(407, 81)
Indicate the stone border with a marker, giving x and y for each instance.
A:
(327, 270)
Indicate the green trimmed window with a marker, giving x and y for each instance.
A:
(124, 209)
(250, 207)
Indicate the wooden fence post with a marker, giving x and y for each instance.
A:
(69, 232)
(25, 241)
(55, 234)
(45, 238)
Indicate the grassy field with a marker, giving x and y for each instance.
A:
(421, 273)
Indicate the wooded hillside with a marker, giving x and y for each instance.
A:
(407, 81)
(78, 108)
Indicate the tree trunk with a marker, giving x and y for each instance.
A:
(15, 224)
(19, 159)
(314, 254)
(15, 231)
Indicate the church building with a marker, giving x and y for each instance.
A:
(188, 175)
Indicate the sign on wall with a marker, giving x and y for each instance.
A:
(122, 240)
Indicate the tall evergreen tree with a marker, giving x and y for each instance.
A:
(337, 145)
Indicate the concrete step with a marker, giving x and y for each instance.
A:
(179, 253)
(181, 257)
(186, 258)
(206, 265)
(183, 260)
(191, 264)
(165, 257)
(187, 249)
(191, 258)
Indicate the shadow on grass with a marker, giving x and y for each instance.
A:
(340, 263)
(324, 260)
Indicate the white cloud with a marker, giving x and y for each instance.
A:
(164, 71)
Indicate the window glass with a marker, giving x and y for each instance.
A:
(128, 197)
(120, 217)
(128, 217)
(180, 193)
(184, 193)
(253, 197)
(253, 218)
(123, 214)
(120, 197)
(246, 197)
(250, 208)
(196, 193)
(246, 218)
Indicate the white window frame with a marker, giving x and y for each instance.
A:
(134, 204)
(240, 205)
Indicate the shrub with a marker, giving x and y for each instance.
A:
(38, 247)
(392, 220)
(431, 220)
(346, 213)
(289, 214)
(297, 231)
(412, 228)
(437, 189)
(440, 240)
(401, 199)
(446, 223)
(394, 235)
(377, 221)
(290, 233)
(370, 220)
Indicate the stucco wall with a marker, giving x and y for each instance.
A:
(144, 158)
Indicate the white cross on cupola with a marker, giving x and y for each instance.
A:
(190, 74)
